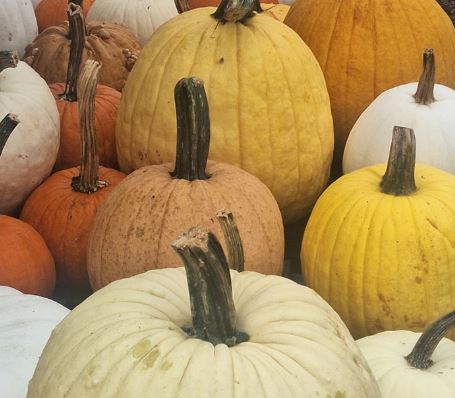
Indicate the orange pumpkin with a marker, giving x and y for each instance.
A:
(25, 261)
(106, 104)
(54, 12)
(63, 207)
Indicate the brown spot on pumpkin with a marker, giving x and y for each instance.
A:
(418, 279)
(385, 304)
(151, 357)
(141, 348)
(166, 365)
(221, 61)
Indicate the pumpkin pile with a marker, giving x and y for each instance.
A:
(171, 173)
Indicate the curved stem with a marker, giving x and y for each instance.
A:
(193, 130)
(7, 125)
(399, 176)
(424, 94)
(420, 356)
(209, 284)
(8, 59)
(76, 33)
(87, 181)
(236, 10)
(182, 5)
(232, 237)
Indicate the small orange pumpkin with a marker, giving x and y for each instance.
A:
(63, 207)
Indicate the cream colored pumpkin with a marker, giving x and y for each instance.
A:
(30, 153)
(433, 124)
(137, 337)
(18, 25)
(142, 17)
(26, 322)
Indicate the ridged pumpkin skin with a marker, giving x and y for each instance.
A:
(25, 261)
(53, 12)
(383, 262)
(134, 228)
(269, 107)
(106, 105)
(64, 218)
(366, 47)
(114, 46)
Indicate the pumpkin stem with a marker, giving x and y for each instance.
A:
(424, 94)
(193, 130)
(76, 33)
(7, 125)
(236, 10)
(8, 59)
(209, 283)
(399, 177)
(232, 237)
(182, 5)
(420, 356)
(87, 181)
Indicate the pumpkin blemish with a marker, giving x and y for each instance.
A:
(151, 357)
(141, 348)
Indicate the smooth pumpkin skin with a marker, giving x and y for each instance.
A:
(107, 101)
(383, 262)
(276, 11)
(367, 47)
(54, 12)
(134, 228)
(269, 107)
(26, 263)
(126, 341)
(64, 218)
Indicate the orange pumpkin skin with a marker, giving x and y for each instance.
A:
(214, 3)
(112, 45)
(64, 218)
(26, 263)
(106, 104)
(53, 12)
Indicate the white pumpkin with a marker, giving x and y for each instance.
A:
(18, 25)
(413, 365)
(31, 150)
(26, 322)
(141, 337)
(432, 121)
(142, 17)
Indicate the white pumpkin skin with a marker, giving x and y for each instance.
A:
(35, 3)
(31, 150)
(142, 17)
(126, 341)
(26, 322)
(385, 354)
(434, 128)
(18, 25)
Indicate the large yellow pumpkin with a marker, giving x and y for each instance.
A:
(384, 258)
(269, 105)
(368, 46)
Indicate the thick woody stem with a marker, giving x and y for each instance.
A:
(232, 238)
(8, 59)
(236, 10)
(7, 125)
(424, 94)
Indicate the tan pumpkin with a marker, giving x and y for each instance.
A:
(112, 45)
(367, 47)
(107, 101)
(134, 227)
(25, 261)
(63, 207)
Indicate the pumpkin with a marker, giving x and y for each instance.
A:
(379, 246)
(54, 12)
(26, 322)
(275, 124)
(425, 107)
(367, 47)
(17, 25)
(408, 364)
(141, 17)
(30, 152)
(112, 45)
(107, 101)
(134, 227)
(25, 261)
(72, 197)
(161, 334)
(277, 11)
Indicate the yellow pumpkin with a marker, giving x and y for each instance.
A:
(383, 258)
(367, 47)
(270, 110)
